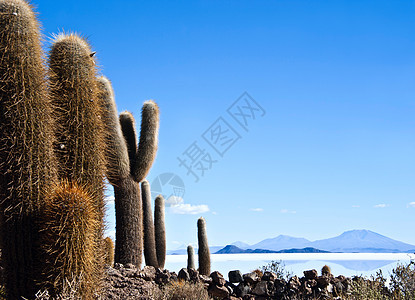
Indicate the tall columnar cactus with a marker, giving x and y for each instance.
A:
(150, 253)
(160, 231)
(190, 258)
(127, 165)
(204, 253)
(27, 168)
(80, 131)
(70, 221)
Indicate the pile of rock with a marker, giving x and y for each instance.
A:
(128, 282)
(257, 286)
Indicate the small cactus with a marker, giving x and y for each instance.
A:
(325, 270)
(70, 223)
(109, 251)
(204, 253)
(160, 231)
(190, 258)
(150, 254)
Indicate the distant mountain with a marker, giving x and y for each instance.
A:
(231, 249)
(362, 241)
(212, 249)
(281, 242)
(241, 245)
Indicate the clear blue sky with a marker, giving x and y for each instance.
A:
(335, 148)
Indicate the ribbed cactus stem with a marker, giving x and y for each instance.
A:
(190, 258)
(160, 231)
(80, 133)
(204, 253)
(127, 123)
(109, 251)
(70, 221)
(118, 162)
(149, 238)
(27, 168)
(147, 147)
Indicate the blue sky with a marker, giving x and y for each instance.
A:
(334, 150)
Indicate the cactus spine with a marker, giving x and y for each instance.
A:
(160, 231)
(190, 258)
(27, 167)
(204, 253)
(150, 254)
(70, 222)
(80, 131)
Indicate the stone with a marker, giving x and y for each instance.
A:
(280, 286)
(183, 275)
(130, 266)
(242, 289)
(217, 278)
(251, 278)
(311, 274)
(261, 289)
(205, 279)
(194, 275)
(235, 276)
(323, 281)
(118, 266)
(269, 276)
(220, 292)
(148, 273)
(162, 277)
(294, 283)
(230, 286)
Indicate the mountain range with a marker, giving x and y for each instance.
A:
(359, 241)
(349, 241)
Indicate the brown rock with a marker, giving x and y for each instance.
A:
(251, 278)
(311, 274)
(220, 292)
(217, 278)
(261, 289)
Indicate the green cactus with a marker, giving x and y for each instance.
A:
(190, 258)
(80, 139)
(122, 157)
(27, 167)
(160, 231)
(203, 253)
(70, 221)
(150, 253)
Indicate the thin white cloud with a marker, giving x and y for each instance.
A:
(214, 213)
(188, 209)
(411, 204)
(257, 209)
(382, 205)
(355, 206)
(174, 200)
(286, 211)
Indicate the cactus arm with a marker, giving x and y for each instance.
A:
(127, 123)
(118, 163)
(147, 147)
